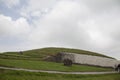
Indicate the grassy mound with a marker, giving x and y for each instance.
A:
(40, 54)
(33, 59)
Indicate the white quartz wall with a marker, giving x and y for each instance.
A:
(91, 60)
(94, 60)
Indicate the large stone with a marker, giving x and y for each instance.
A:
(60, 57)
(67, 62)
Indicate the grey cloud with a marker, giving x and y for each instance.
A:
(85, 24)
(10, 3)
(80, 25)
(36, 8)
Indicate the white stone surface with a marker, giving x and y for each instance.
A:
(93, 60)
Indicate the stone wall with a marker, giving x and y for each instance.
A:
(90, 60)
(95, 60)
(60, 57)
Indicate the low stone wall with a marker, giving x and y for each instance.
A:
(90, 60)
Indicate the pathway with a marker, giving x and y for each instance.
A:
(30, 70)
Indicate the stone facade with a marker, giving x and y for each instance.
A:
(60, 57)
(89, 60)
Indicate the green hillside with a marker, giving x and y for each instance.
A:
(40, 54)
(35, 59)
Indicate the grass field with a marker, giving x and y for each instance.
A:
(33, 59)
(43, 65)
(22, 75)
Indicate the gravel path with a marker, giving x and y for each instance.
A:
(30, 70)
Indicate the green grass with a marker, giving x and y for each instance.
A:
(40, 54)
(22, 75)
(33, 59)
(15, 56)
(42, 65)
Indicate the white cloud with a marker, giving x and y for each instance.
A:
(9, 27)
(59, 23)
(10, 3)
(14, 33)
(85, 24)
(75, 24)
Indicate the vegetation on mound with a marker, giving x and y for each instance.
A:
(22, 75)
(40, 54)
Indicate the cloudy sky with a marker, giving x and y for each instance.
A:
(84, 24)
